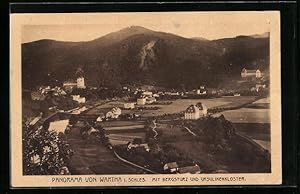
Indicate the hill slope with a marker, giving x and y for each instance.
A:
(138, 55)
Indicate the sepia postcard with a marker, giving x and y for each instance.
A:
(145, 99)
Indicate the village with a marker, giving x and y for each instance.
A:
(148, 129)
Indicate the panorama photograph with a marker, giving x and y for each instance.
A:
(131, 95)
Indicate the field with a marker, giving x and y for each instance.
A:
(121, 132)
(236, 160)
(247, 115)
(176, 106)
(252, 121)
(93, 157)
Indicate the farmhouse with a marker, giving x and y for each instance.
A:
(194, 112)
(247, 73)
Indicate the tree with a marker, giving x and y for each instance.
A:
(44, 152)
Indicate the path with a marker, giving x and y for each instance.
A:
(153, 128)
(191, 132)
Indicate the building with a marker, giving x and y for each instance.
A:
(129, 105)
(202, 109)
(141, 101)
(150, 100)
(191, 113)
(78, 98)
(114, 113)
(194, 112)
(80, 83)
(171, 167)
(247, 73)
(130, 145)
(201, 91)
(69, 85)
(100, 118)
(147, 93)
(58, 126)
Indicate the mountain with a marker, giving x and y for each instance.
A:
(136, 55)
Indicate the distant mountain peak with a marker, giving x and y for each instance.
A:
(199, 38)
(264, 35)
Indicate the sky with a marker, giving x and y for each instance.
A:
(85, 27)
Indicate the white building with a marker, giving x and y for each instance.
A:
(129, 105)
(191, 113)
(150, 100)
(251, 73)
(194, 112)
(141, 101)
(80, 82)
(114, 113)
(78, 98)
(147, 93)
(202, 109)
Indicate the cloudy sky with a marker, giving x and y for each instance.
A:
(85, 27)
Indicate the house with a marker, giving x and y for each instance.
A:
(194, 112)
(100, 118)
(58, 126)
(130, 145)
(147, 93)
(202, 109)
(78, 98)
(189, 170)
(80, 83)
(171, 167)
(251, 73)
(114, 113)
(150, 100)
(141, 101)
(69, 85)
(129, 105)
(201, 91)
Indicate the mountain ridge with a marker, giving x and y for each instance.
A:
(115, 59)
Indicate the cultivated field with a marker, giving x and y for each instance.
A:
(247, 115)
(177, 105)
(93, 157)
